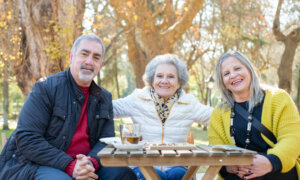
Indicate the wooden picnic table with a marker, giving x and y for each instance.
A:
(202, 155)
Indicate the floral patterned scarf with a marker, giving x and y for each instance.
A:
(163, 107)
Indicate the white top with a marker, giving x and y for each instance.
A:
(141, 108)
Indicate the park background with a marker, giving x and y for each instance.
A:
(36, 36)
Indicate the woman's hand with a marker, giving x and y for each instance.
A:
(260, 166)
(232, 169)
(236, 170)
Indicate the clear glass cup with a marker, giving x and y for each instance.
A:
(130, 133)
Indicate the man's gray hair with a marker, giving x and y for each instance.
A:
(90, 37)
(256, 93)
(183, 75)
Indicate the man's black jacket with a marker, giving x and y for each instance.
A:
(47, 123)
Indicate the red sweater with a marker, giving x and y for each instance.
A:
(80, 143)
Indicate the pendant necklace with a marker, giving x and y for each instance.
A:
(249, 125)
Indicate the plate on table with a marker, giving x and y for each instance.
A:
(116, 142)
(111, 140)
(129, 146)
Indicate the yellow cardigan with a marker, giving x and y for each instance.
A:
(280, 116)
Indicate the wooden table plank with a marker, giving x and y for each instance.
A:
(120, 153)
(248, 152)
(211, 172)
(234, 153)
(200, 152)
(184, 153)
(208, 148)
(105, 152)
(136, 153)
(204, 147)
(172, 146)
(168, 153)
(151, 153)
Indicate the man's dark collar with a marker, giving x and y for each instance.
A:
(95, 90)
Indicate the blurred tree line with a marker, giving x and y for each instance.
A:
(36, 36)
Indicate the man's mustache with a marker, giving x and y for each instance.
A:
(89, 67)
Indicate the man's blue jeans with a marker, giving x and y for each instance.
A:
(175, 173)
(105, 173)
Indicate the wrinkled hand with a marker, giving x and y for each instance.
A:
(232, 169)
(259, 167)
(84, 169)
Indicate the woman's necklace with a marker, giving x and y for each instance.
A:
(249, 125)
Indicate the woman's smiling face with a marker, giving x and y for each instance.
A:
(165, 81)
(236, 77)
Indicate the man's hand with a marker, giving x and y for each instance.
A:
(84, 169)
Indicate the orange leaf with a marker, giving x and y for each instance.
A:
(196, 36)
(105, 39)
(94, 26)
(148, 13)
(262, 17)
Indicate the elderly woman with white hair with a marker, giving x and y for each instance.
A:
(265, 120)
(163, 109)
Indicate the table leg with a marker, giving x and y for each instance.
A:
(149, 173)
(191, 172)
(211, 172)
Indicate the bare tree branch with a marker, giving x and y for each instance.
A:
(175, 32)
(276, 24)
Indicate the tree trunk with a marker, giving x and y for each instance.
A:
(285, 68)
(291, 42)
(146, 38)
(298, 91)
(5, 95)
(49, 29)
(116, 78)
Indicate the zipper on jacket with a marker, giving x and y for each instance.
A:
(163, 133)
(163, 123)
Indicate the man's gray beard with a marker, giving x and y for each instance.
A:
(86, 77)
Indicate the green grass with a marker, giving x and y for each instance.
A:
(200, 135)
(7, 132)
